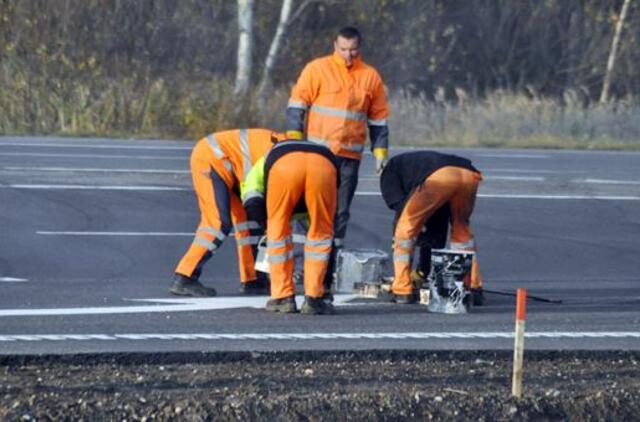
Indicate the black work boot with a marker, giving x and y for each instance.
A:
(185, 286)
(259, 286)
(477, 297)
(405, 299)
(316, 306)
(285, 305)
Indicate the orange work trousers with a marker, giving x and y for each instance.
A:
(454, 185)
(294, 176)
(220, 210)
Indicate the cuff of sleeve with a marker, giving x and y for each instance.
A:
(380, 153)
(294, 134)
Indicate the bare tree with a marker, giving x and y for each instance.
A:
(245, 48)
(604, 96)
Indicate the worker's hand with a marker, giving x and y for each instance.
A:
(294, 134)
(382, 158)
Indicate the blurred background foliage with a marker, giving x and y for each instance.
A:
(458, 72)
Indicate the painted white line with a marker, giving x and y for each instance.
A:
(533, 171)
(320, 336)
(96, 170)
(517, 178)
(535, 196)
(167, 305)
(95, 187)
(488, 155)
(12, 280)
(89, 233)
(608, 181)
(97, 146)
(132, 157)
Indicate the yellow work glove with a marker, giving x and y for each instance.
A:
(294, 134)
(382, 157)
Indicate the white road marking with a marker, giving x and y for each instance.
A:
(608, 181)
(322, 336)
(167, 305)
(95, 187)
(538, 171)
(12, 280)
(489, 155)
(133, 157)
(90, 233)
(516, 178)
(97, 146)
(96, 170)
(534, 196)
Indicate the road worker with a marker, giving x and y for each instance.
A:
(428, 191)
(219, 163)
(295, 177)
(333, 102)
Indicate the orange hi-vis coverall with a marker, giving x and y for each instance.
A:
(417, 185)
(219, 163)
(299, 176)
(341, 102)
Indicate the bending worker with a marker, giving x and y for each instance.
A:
(219, 163)
(430, 189)
(295, 177)
(333, 102)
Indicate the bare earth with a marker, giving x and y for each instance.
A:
(375, 385)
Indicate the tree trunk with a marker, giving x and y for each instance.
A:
(245, 49)
(604, 96)
(264, 89)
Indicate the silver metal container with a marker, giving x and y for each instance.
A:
(359, 266)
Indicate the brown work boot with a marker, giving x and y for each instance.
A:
(285, 305)
(316, 306)
(186, 286)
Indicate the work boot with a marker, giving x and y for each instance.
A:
(328, 297)
(316, 306)
(186, 286)
(285, 305)
(259, 286)
(477, 296)
(404, 299)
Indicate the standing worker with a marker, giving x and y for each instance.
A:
(430, 189)
(295, 177)
(333, 102)
(219, 163)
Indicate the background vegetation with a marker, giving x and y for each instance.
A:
(459, 72)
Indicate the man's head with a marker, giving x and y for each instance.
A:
(347, 44)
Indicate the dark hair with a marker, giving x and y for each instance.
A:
(349, 32)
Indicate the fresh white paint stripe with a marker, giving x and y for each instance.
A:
(132, 157)
(96, 170)
(90, 233)
(608, 181)
(534, 196)
(96, 187)
(319, 336)
(98, 146)
(12, 280)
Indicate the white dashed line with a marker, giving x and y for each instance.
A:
(12, 280)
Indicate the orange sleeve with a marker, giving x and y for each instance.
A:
(306, 88)
(379, 109)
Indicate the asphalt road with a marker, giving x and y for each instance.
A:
(91, 229)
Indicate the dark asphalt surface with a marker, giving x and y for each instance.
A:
(94, 223)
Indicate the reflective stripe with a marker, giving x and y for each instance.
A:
(320, 141)
(402, 257)
(205, 243)
(297, 104)
(381, 122)
(339, 112)
(405, 243)
(280, 258)
(247, 225)
(217, 151)
(212, 230)
(249, 240)
(338, 242)
(469, 244)
(324, 242)
(252, 194)
(318, 256)
(244, 147)
(278, 243)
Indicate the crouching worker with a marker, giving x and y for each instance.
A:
(295, 177)
(428, 191)
(219, 163)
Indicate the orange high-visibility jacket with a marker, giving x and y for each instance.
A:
(237, 150)
(340, 102)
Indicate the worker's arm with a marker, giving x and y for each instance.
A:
(378, 128)
(252, 194)
(302, 96)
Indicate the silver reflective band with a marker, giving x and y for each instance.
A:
(213, 231)
(278, 243)
(213, 143)
(324, 242)
(469, 244)
(205, 243)
(252, 194)
(402, 257)
(338, 112)
(297, 104)
(283, 257)
(405, 243)
(247, 225)
(318, 256)
(320, 141)
(244, 147)
(381, 122)
(249, 240)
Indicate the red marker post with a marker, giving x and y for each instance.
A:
(518, 346)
